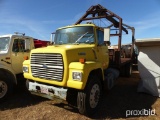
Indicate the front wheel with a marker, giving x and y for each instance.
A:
(5, 88)
(88, 100)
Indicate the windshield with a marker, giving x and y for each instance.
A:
(74, 35)
(4, 44)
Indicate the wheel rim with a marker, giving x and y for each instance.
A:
(94, 95)
(3, 89)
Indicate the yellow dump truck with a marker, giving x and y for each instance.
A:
(77, 65)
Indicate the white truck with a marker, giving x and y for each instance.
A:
(14, 49)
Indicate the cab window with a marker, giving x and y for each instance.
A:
(100, 37)
(19, 45)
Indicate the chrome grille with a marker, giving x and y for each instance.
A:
(47, 66)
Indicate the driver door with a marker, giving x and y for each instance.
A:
(20, 49)
(102, 49)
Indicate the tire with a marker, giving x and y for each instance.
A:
(111, 75)
(6, 88)
(88, 100)
(128, 70)
(26, 87)
(71, 97)
(110, 80)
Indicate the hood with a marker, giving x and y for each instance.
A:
(72, 52)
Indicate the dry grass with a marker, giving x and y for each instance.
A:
(124, 96)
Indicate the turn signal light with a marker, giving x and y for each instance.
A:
(82, 60)
(25, 57)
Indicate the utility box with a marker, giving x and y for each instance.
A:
(149, 65)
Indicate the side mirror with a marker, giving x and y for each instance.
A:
(107, 35)
(27, 45)
(52, 37)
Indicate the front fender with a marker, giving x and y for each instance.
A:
(9, 70)
(85, 69)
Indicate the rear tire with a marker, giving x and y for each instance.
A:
(111, 75)
(128, 70)
(110, 80)
(88, 100)
(6, 88)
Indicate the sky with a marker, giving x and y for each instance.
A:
(39, 18)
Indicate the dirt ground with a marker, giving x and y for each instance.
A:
(115, 103)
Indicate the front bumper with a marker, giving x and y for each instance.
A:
(47, 91)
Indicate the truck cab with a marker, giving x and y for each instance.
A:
(14, 49)
(88, 36)
(77, 49)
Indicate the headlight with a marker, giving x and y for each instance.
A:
(25, 69)
(77, 76)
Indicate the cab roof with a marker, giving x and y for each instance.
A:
(14, 35)
(79, 25)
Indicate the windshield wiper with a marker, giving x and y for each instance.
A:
(81, 37)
